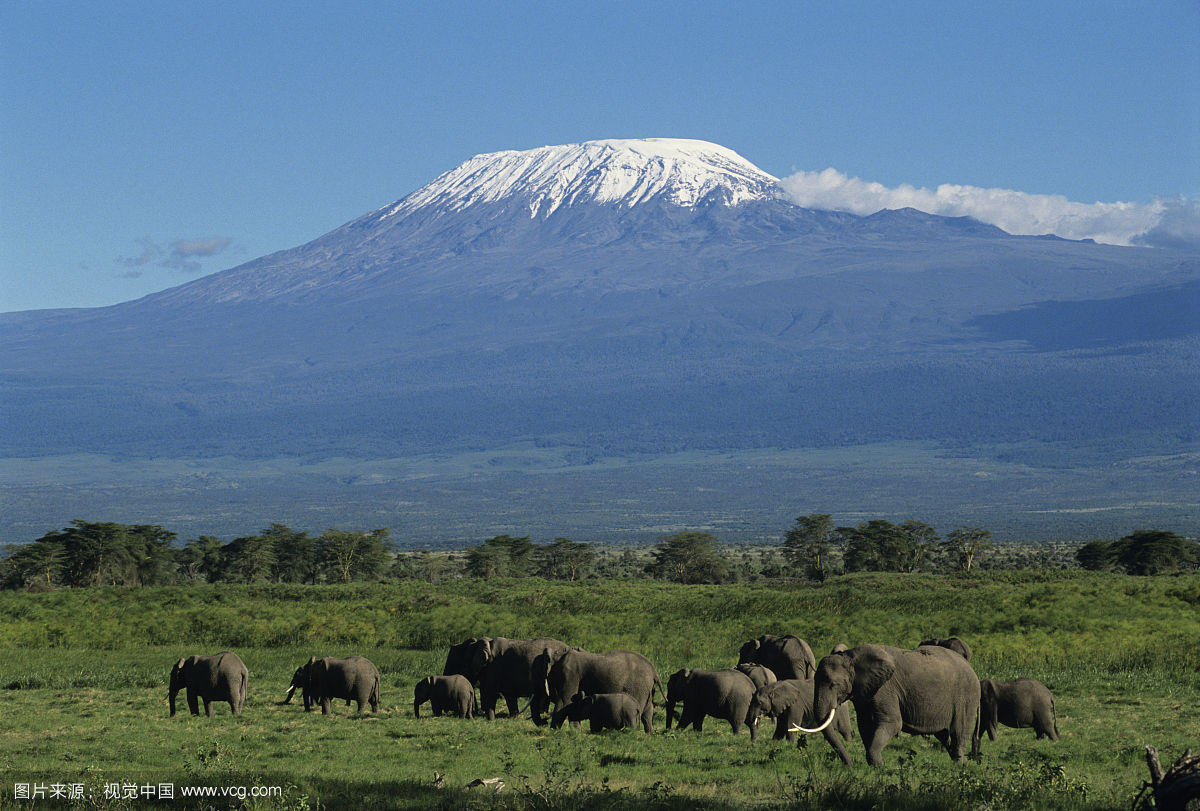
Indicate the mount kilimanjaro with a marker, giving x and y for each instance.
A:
(558, 331)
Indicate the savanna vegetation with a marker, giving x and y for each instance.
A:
(84, 677)
(813, 548)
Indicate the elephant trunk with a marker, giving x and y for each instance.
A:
(828, 721)
(171, 699)
(288, 698)
(417, 709)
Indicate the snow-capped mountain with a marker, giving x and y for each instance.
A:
(622, 173)
(620, 297)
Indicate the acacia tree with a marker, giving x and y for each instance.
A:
(807, 545)
(965, 544)
(689, 557)
(565, 559)
(1155, 551)
(348, 556)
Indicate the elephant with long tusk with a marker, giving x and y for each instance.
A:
(928, 691)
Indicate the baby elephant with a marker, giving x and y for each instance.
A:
(445, 694)
(1022, 704)
(724, 694)
(221, 677)
(603, 710)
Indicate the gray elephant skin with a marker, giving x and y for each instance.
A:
(503, 667)
(723, 694)
(928, 691)
(1022, 704)
(353, 679)
(602, 711)
(953, 643)
(300, 681)
(445, 694)
(790, 703)
(759, 675)
(578, 671)
(220, 677)
(788, 657)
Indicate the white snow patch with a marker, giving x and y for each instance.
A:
(618, 172)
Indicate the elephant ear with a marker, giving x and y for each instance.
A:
(311, 660)
(873, 666)
(178, 666)
(481, 657)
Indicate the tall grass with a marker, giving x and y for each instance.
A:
(85, 674)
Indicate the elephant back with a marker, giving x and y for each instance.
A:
(619, 671)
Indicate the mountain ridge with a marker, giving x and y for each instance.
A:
(612, 329)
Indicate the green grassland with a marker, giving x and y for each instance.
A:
(84, 673)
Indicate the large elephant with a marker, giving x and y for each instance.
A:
(953, 643)
(322, 680)
(723, 694)
(603, 711)
(788, 657)
(220, 677)
(300, 681)
(1021, 704)
(445, 694)
(503, 667)
(790, 702)
(577, 671)
(928, 691)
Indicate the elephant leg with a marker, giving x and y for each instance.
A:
(648, 715)
(877, 736)
(514, 704)
(325, 705)
(208, 706)
(835, 740)
(193, 703)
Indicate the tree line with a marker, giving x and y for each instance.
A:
(813, 548)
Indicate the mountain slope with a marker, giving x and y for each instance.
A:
(623, 297)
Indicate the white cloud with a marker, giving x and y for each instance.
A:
(1165, 223)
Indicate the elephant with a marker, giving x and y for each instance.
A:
(790, 702)
(300, 680)
(927, 691)
(321, 680)
(576, 670)
(723, 694)
(954, 644)
(220, 677)
(603, 711)
(788, 657)
(1022, 704)
(502, 667)
(761, 676)
(445, 694)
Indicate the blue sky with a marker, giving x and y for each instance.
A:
(144, 144)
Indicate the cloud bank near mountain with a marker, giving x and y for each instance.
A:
(1170, 222)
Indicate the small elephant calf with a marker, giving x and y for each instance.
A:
(1020, 704)
(603, 711)
(445, 694)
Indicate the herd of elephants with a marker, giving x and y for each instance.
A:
(929, 690)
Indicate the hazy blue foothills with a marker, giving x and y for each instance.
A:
(613, 340)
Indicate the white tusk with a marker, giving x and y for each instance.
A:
(828, 721)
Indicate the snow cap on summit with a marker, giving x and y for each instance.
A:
(621, 172)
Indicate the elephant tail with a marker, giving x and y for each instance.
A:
(661, 691)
